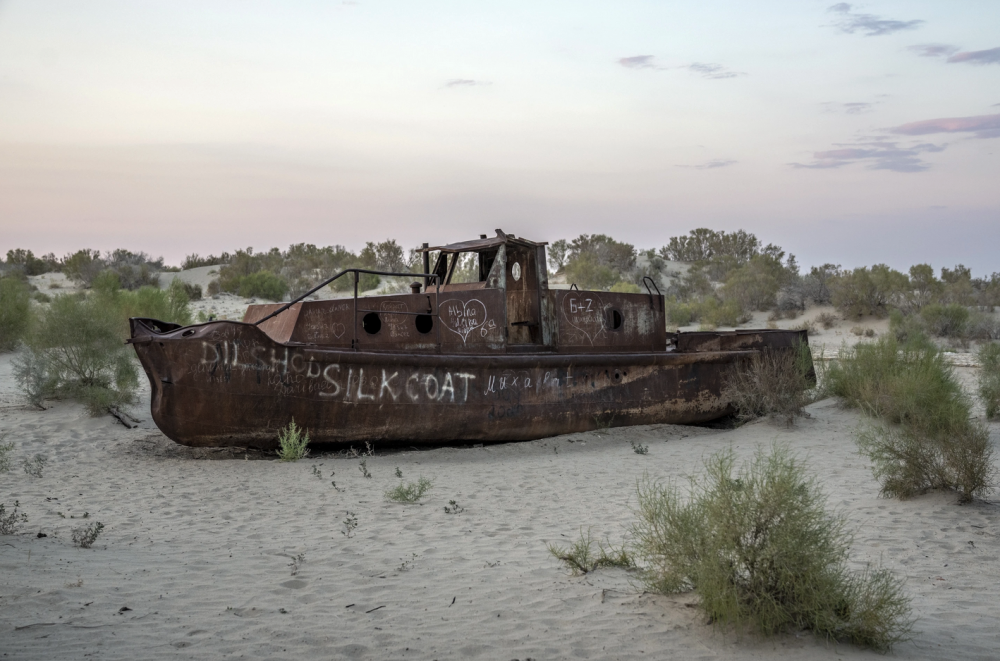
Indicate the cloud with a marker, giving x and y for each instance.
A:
(638, 62)
(717, 71)
(982, 126)
(991, 56)
(879, 154)
(703, 69)
(852, 108)
(465, 82)
(868, 24)
(933, 50)
(711, 165)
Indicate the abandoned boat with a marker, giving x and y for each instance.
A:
(503, 358)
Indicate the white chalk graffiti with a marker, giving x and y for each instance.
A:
(463, 317)
(584, 313)
(289, 369)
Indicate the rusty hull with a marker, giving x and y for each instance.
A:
(228, 383)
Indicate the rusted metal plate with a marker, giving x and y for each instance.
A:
(229, 383)
(601, 321)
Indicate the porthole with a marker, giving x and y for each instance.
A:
(614, 319)
(424, 323)
(371, 323)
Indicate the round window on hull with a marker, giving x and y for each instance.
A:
(424, 323)
(371, 323)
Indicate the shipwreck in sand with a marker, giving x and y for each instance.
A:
(502, 358)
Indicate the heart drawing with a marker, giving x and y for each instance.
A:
(338, 330)
(584, 313)
(463, 317)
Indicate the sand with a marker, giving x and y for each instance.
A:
(198, 557)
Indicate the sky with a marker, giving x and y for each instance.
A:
(851, 133)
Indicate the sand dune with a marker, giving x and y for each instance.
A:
(199, 552)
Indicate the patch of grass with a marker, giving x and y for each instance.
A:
(410, 492)
(86, 536)
(399, 473)
(363, 467)
(580, 557)
(988, 379)
(317, 472)
(11, 521)
(293, 443)
(762, 551)
(770, 383)
(639, 448)
(453, 508)
(35, 465)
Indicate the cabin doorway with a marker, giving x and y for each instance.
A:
(523, 317)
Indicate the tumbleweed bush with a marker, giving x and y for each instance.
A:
(759, 546)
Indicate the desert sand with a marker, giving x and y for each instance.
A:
(226, 554)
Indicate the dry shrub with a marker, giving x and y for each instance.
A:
(770, 383)
(907, 462)
(827, 320)
(761, 550)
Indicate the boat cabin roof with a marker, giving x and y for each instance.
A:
(483, 243)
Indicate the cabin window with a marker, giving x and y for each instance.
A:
(371, 323)
(614, 319)
(424, 323)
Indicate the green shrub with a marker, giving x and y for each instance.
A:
(755, 285)
(588, 272)
(770, 383)
(946, 320)
(410, 492)
(762, 552)
(904, 384)
(293, 443)
(865, 291)
(15, 311)
(907, 461)
(78, 349)
(366, 282)
(989, 378)
(937, 444)
(713, 312)
(623, 287)
(908, 329)
(79, 352)
(262, 284)
(678, 313)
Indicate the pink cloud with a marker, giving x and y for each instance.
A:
(991, 56)
(984, 126)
